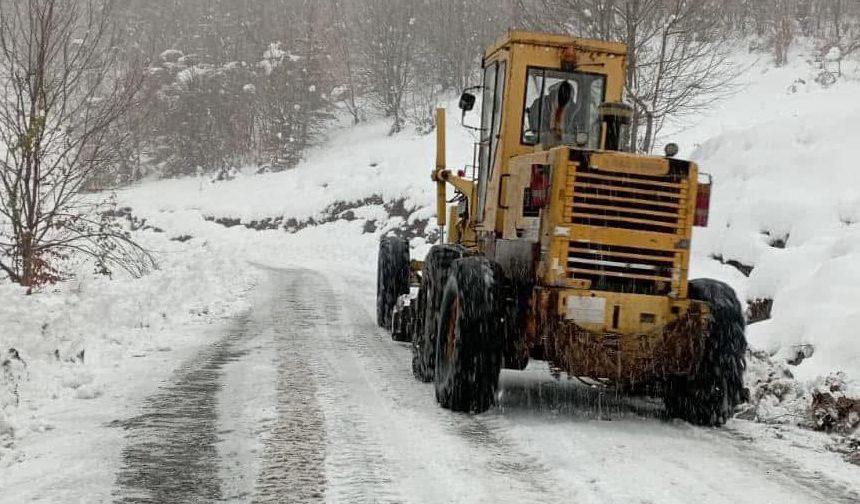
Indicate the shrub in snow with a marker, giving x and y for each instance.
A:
(171, 56)
(59, 137)
(836, 406)
(774, 395)
(834, 54)
(13, 370)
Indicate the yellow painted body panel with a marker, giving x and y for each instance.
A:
(631, 307)
(555, 40)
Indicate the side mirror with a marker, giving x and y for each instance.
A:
(467, 102)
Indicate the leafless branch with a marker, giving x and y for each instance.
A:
(61, 92)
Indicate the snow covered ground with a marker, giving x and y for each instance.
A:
(91, 349)
(782, 157)
(783, 153)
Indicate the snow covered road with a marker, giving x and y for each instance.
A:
(305, 400)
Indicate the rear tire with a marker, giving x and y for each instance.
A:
(437, 267)
(469, 342)
(710, 397)
(392, 277)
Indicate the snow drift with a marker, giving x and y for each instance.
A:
(787, 203)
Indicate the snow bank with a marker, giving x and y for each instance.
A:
(74, 342)
(788, 178)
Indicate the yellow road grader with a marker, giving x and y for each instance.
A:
(563, 247)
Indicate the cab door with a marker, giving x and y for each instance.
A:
(495, 74)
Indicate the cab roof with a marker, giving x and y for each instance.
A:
(555, 40)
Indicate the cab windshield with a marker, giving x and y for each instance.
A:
(561, 108)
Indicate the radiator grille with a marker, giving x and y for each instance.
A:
(627, 201)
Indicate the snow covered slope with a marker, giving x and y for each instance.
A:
(355, 164)
(787, 203)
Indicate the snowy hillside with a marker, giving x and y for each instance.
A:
(354, 165)
(784, 154)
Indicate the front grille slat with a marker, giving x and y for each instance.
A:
(620, 274)
(628, 180)
(597, 248)
(640, 261)
(630, 191)
(618, 223)
(661, 207)
(671, 178)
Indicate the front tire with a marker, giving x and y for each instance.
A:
(710, 396)
(469, 341)
(392, 277)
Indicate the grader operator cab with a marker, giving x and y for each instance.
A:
(561, 247)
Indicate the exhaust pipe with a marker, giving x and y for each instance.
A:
(617, 117)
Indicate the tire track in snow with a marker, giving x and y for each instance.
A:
(172, 447)
(815, 482)
(506, 459)
(171, 454)
(487, 465)
(357, 468)
(347, 408)
(293, 469)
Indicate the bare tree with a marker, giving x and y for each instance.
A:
(844, 37)
(344, 62)
(61, 92)
(389, 54)
(684, 68)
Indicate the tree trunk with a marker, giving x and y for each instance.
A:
(28, 261)
(648, 139)
(632, 35)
